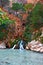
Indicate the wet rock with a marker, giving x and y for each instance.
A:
(27, 48)
(35, 46)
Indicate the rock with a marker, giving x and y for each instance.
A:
(41, 49)
(2, 45)
(27, 48)
(37, 49)
(35, 46)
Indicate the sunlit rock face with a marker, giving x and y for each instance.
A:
(32, 1)
(41, 0)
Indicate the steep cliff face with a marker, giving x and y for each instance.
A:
(27, 1)
(41, 1)
(32, 1)
(9, 2)
(18, 27)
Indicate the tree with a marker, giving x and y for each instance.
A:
(34, 22)
(36, 16)
(17, 6)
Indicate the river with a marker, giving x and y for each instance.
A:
(20, 57)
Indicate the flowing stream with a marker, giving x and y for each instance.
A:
(18, 57)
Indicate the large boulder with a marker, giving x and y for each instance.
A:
(35, 46)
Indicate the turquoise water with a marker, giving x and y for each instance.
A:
(17, 57)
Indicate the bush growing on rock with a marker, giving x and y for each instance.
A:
(35, 21)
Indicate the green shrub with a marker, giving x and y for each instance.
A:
(17, 6)
(2, 35)
(34, 22)
(14, 42)
(41, 39)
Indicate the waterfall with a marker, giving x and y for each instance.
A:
(21, 45)
(14, 47)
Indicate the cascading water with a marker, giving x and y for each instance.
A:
(13, 46)
(21, 45)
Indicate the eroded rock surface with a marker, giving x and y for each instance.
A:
(35, 46)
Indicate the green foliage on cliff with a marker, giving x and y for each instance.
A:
(2, 35)
(41, 39)
(37, 16)
(4, 22)
(34, 22)
(17, 6)
(4, 18)
(27, 7)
